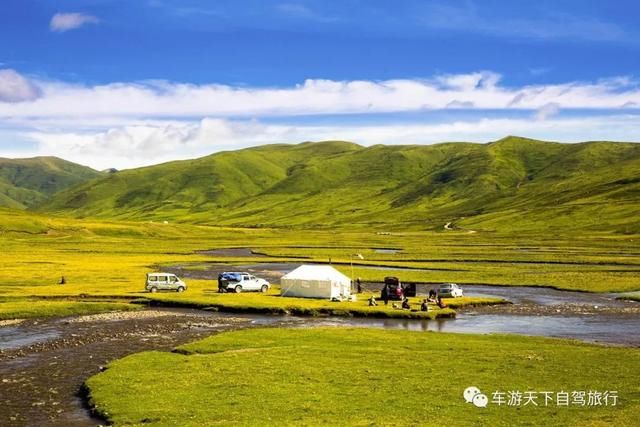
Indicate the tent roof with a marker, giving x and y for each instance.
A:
(316, 272)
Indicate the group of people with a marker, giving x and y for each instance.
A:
(406, 305)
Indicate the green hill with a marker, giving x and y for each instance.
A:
(28, 182)
(510, 184)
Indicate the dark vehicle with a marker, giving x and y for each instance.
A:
(395, 290)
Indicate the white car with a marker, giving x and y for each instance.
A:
(240, 281)
(450, 290)
(164, 282)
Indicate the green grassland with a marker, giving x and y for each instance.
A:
(509, 186)
(518, 212)
(111, 258)
(364, 377)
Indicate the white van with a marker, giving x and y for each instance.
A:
(164, 282)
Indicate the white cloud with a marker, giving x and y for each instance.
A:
(460, 104)
(16, 88)
(138, 123)
(153, 99)
(61, 22)
(146, 143)
(547, 110)
(469, 82)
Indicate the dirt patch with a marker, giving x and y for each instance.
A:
(123, 315)
(10, 322)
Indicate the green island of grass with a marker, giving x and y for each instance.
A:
(254, 303)
(338, 376)
(272, 303)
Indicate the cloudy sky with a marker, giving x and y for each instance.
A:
(121, 83)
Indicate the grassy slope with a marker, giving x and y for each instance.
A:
(513, 184)
(27, 182)
(363, 377)
(189, 188)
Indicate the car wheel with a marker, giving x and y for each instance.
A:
(264, 289)
(180, 289)
(153, 290)
(238, 289)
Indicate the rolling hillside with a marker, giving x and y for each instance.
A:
(28, 182)
(511, 184)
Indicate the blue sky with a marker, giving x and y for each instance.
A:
(126, 83)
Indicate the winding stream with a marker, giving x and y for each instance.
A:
(44, 363)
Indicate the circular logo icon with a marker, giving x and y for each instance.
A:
(480, 400)
(469, 393)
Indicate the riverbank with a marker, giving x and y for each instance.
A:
(417, 388)
(43, 363)
(633, 296)
(15, 308)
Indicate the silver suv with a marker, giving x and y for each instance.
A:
(164, 282)
(240, 281)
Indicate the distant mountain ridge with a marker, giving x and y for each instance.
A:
(513, 183)
(26, 183)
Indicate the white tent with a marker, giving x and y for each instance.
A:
(315, 281)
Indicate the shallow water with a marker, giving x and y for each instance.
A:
(386, 251)
(545, 296)
(17, 336)
(609, 329)
(44, 363)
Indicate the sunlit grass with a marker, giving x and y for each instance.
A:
(363, 377)
(112, 258)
